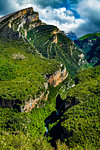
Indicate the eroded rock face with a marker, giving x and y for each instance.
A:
(29, 105)
(19, 22)
(58, 77)
(24, 19)
(54, 80)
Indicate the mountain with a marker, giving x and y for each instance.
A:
(71, 35)
(25, 74)
(47, 39)
(92, 36)
(44, 104)
(90, 45)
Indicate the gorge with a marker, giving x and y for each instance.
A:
(49, 86)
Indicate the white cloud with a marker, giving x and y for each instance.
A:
(62, 18)
(89, 11)
(86, 7)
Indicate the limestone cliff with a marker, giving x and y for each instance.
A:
(29, 105)
(54, 80)
(19, 23)
(58, 77)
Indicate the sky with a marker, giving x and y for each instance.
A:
(79, 16)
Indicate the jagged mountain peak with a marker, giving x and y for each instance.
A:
(22, 12)
(19, 21)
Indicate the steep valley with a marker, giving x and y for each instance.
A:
(49, 87)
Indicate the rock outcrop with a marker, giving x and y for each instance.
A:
(54, 80)
(19, 23)
(58, 77)
(29, 105)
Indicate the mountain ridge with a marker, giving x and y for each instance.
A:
(52, 44)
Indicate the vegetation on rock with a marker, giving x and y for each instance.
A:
(52, 44)
(22, 71)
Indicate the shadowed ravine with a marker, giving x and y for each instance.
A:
(57, 131)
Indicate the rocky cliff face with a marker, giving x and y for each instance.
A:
(19, 23)
(29, 105)
(54, 79)
(58, 77)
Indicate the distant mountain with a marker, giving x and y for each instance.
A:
(71, 35)
(87, 41)
(90, 44)
(93, 56)
(92, 36)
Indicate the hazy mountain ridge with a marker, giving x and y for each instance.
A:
(90, 44)
(72, 35)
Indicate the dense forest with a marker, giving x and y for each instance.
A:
(78, 123)
(49, 87)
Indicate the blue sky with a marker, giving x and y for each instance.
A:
(80, 16)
